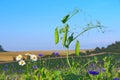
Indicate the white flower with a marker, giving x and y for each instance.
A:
(19, 57)
(22, 62)
(33, 57)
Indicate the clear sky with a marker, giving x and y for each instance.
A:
(30, 24)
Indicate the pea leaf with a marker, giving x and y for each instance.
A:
(70, 39)
(64, 20)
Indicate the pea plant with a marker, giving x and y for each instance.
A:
(67, 37)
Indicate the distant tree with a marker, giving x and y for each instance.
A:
(1, 49)
(102, 49)
(114, 47)
(97, 50)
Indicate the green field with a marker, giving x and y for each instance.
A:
(56, 68)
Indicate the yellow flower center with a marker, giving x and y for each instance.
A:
(22, 62)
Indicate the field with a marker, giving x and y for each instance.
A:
(98, 66)
(8, 56)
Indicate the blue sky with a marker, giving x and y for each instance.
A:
(30, 24)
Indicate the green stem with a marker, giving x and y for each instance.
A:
(85, 65)
(68, 58)
(85, 31)
(27, 69)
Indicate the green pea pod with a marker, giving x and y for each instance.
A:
(77, 48)
(56, 35)
(65, 35)
(64, 20)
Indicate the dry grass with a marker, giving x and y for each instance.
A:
(8, 56)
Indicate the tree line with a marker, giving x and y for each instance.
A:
(114, 48)
(1, 49)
